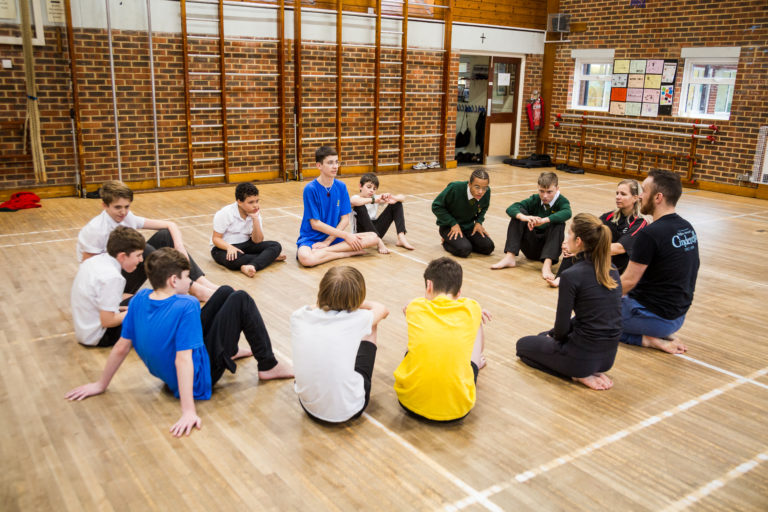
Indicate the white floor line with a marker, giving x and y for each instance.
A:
(605, 441)
(497, 187)
(728, 217)
(52, 336)
(458, 482)
(707, 489)
(721, 370)
(406, 255)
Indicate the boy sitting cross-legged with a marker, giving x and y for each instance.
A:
(185, 347)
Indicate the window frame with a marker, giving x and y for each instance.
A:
(689, 80)
(578, 77)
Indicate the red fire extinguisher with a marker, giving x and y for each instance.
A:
(534, 113)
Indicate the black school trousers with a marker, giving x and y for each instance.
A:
(391, 213)
(536, 244)
(466, 245)
(260, 255)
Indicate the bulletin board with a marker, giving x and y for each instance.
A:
(643, 87)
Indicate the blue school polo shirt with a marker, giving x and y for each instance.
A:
(325, 205)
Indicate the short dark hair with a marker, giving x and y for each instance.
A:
(369, 177)
(668, 183)
(124, 239)
(323, 152)
(244, 190)
(115, 189)
(341, 289)
(480, 173)
(547, 179)
(164, 263)
(446, 275)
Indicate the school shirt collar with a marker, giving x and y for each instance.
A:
(554, 199)
(469, 193)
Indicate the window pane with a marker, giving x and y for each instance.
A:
(709, 99)
(592, 93)
(714, 70)
(595, 69)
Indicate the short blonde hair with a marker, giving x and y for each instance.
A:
(341, 289)
(112, 190)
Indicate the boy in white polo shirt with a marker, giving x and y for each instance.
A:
(238, 238)
(116, 200)
(97, 306)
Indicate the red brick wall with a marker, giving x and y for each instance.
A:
(531, 84)
(659, 31)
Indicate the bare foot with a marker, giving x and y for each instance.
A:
(202, 293)
(483, 362)
(554, 283)
(669, 344)
(382, 248)
(242, 352)
(403, 242)
(248, 270)
(282, 257)
(279, 371)
(596, 381)
(507, 261)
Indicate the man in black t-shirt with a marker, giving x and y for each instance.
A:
(661, 275)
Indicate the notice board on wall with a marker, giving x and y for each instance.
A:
(643, 87)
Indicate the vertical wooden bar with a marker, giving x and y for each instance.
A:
(339, 69)
(692, 156)
(223, 87)
(297, 84)
(184, 42)
(377, 88)
(75, 98)
(447, 88)
(403, 83)
(281, 84)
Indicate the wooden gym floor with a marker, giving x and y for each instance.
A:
(676, 432)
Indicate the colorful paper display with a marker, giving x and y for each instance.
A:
(643, 87)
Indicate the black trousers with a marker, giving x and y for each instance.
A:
(112, 334)
(380, 225)
(227, 314)
(259, 255)
(464, 246)
(162, 238)
(536, 244)
(551, 356)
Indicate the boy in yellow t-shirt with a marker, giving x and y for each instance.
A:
(436, 379)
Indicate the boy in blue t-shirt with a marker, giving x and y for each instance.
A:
(322, 236)
(185, 347)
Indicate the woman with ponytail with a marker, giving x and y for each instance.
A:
(582, 347)
(624, 222)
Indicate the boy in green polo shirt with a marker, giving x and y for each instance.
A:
(537, 226)
(460, 211)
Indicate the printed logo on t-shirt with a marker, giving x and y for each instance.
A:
(685, 239)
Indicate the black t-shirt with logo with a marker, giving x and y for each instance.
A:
(670, 248)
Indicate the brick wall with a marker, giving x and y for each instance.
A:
(531, 84)
(659, 31)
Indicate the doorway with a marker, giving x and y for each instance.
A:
(471, 108)
(501, 122)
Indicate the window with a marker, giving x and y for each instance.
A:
(591, 84)
(707, 90)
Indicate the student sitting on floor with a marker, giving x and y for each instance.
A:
(436, 379)
(367, 215)
(238, 238)
(333, 366)
(97, 305)
(116, 200)
(537, 226)
(584, 346)
(186, 348)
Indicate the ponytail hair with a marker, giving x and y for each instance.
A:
(596, 239)
(635, 189)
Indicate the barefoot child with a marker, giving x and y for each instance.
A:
(238, 238)
(537, 226)
(98, 307)
(368, 218)
(116, 200)
(582, 347)
(333, 366)
(436, 379)
(184, 347)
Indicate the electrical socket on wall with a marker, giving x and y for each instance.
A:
(7, 64)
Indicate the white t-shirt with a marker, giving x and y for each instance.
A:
(233, 228)
(98, 286)
(94, 235)
(325, 345)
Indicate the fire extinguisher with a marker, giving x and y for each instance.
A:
(534, 113)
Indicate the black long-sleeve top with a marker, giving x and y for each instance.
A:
(596, 324)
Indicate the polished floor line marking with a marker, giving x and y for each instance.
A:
(605, 441)
(722, 370)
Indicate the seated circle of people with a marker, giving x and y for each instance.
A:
(367, 217)
(625, 222)
(537, 226)
(660, 278)
(582, 347)
(238, 240)
(322, 235)
(186, 347)
(460, 210)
